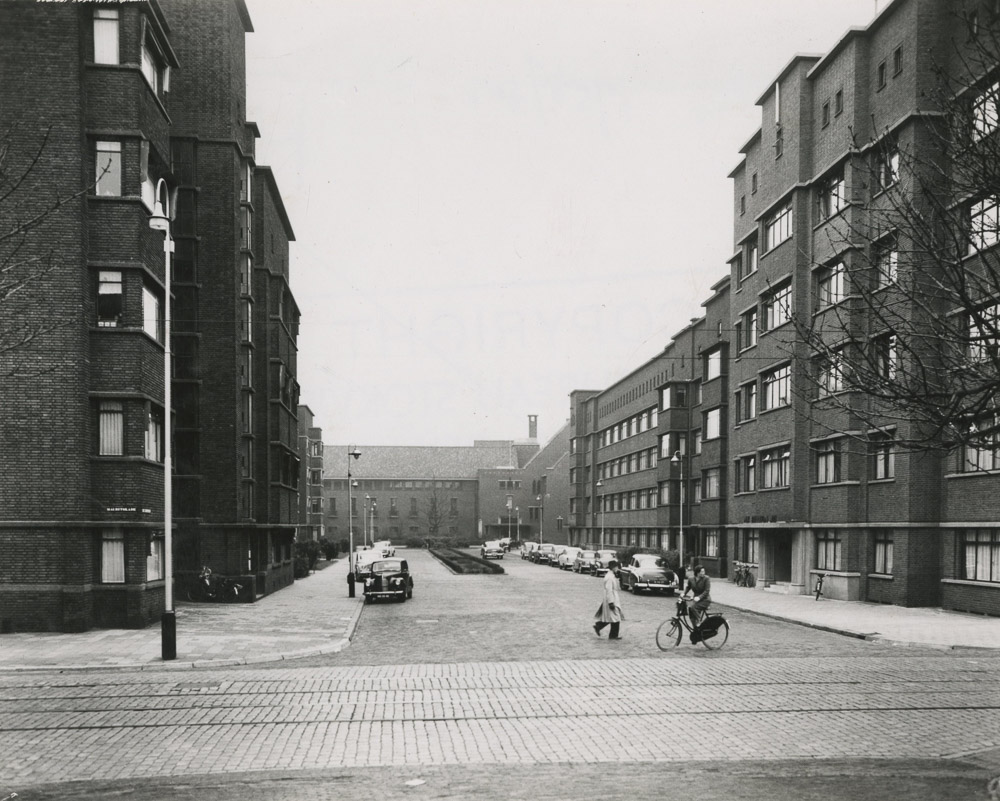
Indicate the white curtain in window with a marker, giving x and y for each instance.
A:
(111, 427)
(154, 561)
(106, 36)
(113, 557)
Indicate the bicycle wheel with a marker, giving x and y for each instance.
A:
(668, 635)
(750, 580)
(721, 635)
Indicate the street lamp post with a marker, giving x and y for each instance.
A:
(677, 459)
(600, 501)
(364, 519)
(160, 221)
(350, 522)
(371, 525)
(541, 519)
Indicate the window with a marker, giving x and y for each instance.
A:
(886, 166)
(776, 385)
(696, 491)
(413, 507)
(749, 328)
(154, 559)
(153, 64)
(113, 557)
(751, 257)
(106, 36)
(880, 75)
(748, 401)
(886, 356)
(752, 547)
(713, 364)
(152, 318)
(885, 257)
(246, 322)
(832, 194)
(838, 102)
(246, 412)
(831, 285)
(713, 419)
(984, 333)
(748, 473)
(982, 555)
(774, 467)
(246, 273)
(828, 550)
(882, 452)
(982, 453)
(111, 428)
(153, 445)
(986, 112)
(777, 307)
(109, 169)
(753, 184)
(743, 204)
(696, 444)
(779, 141)
(712, 542)
(778, 227)
(883, 552)
(984, 224)
(897, 61)
(830, 374)
(246, 230)
(828, 462)
(825, 115)
(109, 298)
(711, 482)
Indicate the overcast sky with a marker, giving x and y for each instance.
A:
(497, 202)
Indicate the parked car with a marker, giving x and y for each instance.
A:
(527, 548)
(600, 566)
(567, 556)
(491, 550)
(643, 573)
(505, 543)
(363, 559)
(543, 554)
(584, 561)
(388, 578)
(388, 549)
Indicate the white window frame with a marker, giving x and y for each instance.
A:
(713, 364)
(831, 285)
(106, 36)
(152, 314)
(111, 428)
(778, 228)
(984, 224)
(155, 561)
(108, 172)
(713, 423)
(986, 112)
(112, 556)
(776, 385)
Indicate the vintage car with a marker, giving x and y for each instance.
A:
(600, 565)
(491, 550)
(527, 548)
(388, 549)
(584, 561)
(566, 557)
(642, 573)
(363, 558)
(543, 554)
(388, 578)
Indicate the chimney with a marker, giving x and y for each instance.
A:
(532, 426)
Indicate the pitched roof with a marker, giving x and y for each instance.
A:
(418, 461)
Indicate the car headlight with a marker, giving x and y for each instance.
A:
(369, 582)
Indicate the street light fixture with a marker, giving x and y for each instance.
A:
(601, 504)
(160, 221)
(678, 460)
(350, 521)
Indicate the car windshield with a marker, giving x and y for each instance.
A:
(587, 554)
(647, 559)
(387, 566)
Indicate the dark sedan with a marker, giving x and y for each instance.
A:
(388, 578)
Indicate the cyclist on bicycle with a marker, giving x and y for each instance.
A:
(700, 586)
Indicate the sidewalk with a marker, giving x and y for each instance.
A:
(315, 616)
(879, 622)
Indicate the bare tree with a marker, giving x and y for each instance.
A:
(904, 334)
(25, 257)
(435, 512)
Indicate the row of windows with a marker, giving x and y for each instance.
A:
(370, 506)
(632, 463)
(637, 424)
(111, 428)
(107, 49)
(113, 558)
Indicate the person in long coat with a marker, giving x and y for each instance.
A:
(610, 611)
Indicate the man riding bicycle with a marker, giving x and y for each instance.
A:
(700, 586)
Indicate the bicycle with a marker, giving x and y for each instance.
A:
(819, 585)
(712, 631)
(742, 575)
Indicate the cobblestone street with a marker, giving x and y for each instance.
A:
(453, 683)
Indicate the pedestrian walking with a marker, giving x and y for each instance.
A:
(610, 610)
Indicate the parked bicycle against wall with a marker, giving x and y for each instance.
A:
(210, 587)
(712, 631)
(819, 585)
(742, 574)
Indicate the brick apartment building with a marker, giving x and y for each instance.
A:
(144, 92)
(490, 490)
(775, 472)
(310, 484)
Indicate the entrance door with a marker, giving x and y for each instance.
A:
(782, 549)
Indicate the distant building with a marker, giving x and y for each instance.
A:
(422, 492)
(310, 513)
(141, 97)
